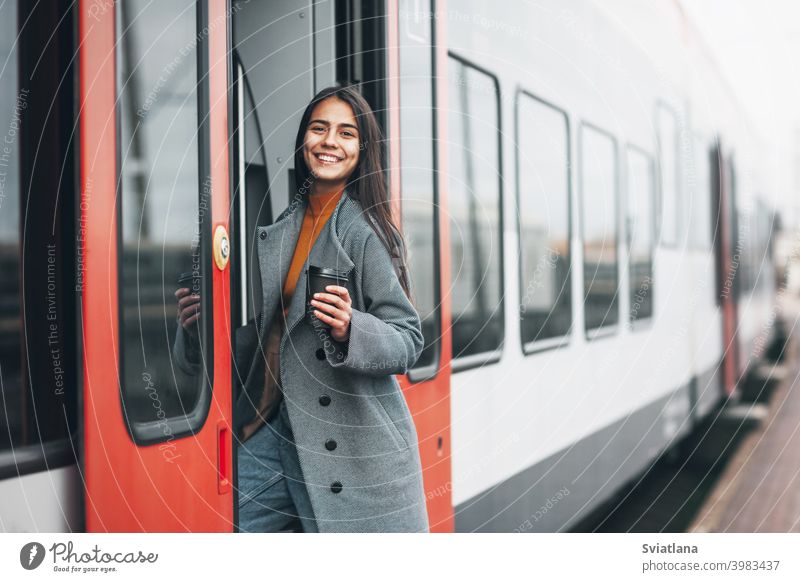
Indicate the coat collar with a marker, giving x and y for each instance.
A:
(276, 244)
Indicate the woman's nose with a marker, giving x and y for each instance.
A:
(330, 138)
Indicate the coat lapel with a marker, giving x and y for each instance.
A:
(276, 250)
(276, 244)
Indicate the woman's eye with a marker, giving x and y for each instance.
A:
(347, 133)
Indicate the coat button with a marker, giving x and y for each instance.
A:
(324, 400)
(336, 487)
(320, 354)
(262, 235)
(330, 444)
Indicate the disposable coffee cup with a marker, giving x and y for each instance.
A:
(191, 280)
(317, 278)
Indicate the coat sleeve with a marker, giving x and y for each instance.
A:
(386, 339)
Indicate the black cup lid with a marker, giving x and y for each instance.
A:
(313, 269)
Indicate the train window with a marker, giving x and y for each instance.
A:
(669, 172)
(418, 177)
(164, 219)
(39, 378)
(598, 185)
(699, 197)
(640, 232)
(474, 206)
(543, 189)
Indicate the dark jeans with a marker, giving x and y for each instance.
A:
(272, 492)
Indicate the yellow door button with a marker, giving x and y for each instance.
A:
(222, 247)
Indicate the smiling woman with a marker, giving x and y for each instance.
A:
(305, 423)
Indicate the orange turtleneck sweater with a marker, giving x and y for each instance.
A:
(319, 210)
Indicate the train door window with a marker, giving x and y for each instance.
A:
(38, 290)
(543, 191)
(418, 176)
(475, 214)
(669, 175)
(700, 198)
(640, 231)
(598, 185)
(164, 218)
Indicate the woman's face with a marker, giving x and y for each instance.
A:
(331, 145)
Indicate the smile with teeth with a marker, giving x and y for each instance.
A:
(328, 159)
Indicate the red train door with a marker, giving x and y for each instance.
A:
(724, 238)
(153, 219)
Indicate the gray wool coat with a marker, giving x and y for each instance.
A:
(372, 480)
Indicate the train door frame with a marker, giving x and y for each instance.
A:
(732, 186)
(427, 389)
(723, 238)
(369, 55)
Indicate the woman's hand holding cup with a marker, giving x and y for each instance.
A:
(335, 309)
(188, 310)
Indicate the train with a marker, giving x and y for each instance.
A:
(584, 202)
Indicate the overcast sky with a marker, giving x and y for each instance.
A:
(757, 45)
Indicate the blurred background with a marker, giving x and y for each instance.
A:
(601, 201)
(756, 46)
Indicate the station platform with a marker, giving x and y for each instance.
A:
(759, 489)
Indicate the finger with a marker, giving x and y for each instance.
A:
(187, 313)
(340, 314)
(327, 298)
(331, 309)
(338, 320)
(323, 317)
(332, 299)
(181, 292)
(342, 291)
(193, 319)
(332, 321)
(188, 308)
(188, 301)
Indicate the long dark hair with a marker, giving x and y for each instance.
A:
(367, 182)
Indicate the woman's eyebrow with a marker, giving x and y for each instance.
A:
(326, 122)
